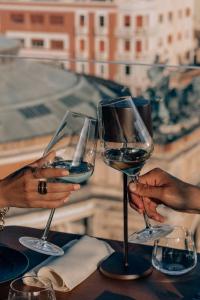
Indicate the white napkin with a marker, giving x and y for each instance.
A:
(80, 260)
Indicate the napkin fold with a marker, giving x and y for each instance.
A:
(80, 260)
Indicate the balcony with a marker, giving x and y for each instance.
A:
(81, 30)
(101, 31)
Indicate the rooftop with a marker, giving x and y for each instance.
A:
(35, 96)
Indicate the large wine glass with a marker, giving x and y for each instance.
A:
(126, 146)
(74, 143)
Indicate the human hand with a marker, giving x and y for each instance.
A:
(158, 187)
(20, 189)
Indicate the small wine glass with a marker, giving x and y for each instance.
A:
(126, 146)
(74, 143)
(31, 288)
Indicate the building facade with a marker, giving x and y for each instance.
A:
(103, 31)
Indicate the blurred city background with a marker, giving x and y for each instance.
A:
(69, 54)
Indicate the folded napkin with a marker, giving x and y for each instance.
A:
(80, 260)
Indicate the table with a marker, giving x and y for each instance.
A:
(97, 287)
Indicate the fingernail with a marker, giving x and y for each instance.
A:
(77, 187)
(133, 187)
(66, 200)
(65, 172)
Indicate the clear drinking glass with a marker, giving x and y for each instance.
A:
(75, 146)
(31, 288)
(126, 145)
(175, 254)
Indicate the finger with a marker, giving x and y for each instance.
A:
(50, 173)
(32, 186)
(153, 214)
(50, 204)
(46, 159)
(140, 211)
(137, 201)
(35, 196)
(145, 190)
(152, 177)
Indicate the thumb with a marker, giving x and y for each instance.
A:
(145, 190)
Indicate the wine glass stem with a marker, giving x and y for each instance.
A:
(125, 208)
(146, 219)
(47, 228)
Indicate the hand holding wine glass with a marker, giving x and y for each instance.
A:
(159, 187)
(74, 144)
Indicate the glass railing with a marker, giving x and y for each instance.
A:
(36, 92)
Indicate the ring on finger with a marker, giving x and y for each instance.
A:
(42, 187)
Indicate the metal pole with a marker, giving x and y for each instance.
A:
(125, 208)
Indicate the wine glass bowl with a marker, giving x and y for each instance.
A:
(74, 145)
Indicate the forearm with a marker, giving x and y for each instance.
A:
(193, 200)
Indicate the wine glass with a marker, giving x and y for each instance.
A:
(126, 146)
(74, 143)
(31, 288)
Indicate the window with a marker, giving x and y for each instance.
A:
(101, 46)
(22, 42)
(17, 18)
(101, 21)
(57, 45)
(102, 69)
(160, 42)
(127, 45)
(35, 111)
(83, 68)
(160, 18)
(127, 70)
(127, 21)
(82, 45)
(170, 16)
(179, 36)
(37, 19)
(138, 47)
(37, 43)
(82, 20)
(170, 39)
(57, 20)
(139, 22)
(187, 55)
(180, 14)
(188, 12)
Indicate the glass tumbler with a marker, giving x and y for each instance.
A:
(31, 288)
(175, 254)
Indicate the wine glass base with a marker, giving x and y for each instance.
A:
(150, 234)
(113, 267)
(41, 246)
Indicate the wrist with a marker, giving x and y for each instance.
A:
(3, 200)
